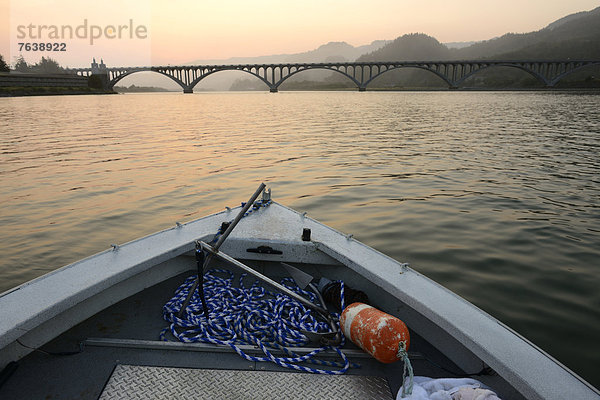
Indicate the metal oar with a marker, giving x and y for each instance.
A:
(212, 251)
(202, 262)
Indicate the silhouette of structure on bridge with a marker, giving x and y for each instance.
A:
(454, 73)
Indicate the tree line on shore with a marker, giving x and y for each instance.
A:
(46, 65)
(3, 66)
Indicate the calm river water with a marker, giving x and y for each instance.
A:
(495, 195)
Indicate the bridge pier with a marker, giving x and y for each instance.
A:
(362, 89)
(273, 90)
(99, 81)
(188, 90)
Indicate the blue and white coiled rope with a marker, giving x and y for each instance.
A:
(250, 316)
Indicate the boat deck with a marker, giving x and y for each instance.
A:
(141, 382)
(126, 334)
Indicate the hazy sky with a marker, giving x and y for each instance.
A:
(179, 31)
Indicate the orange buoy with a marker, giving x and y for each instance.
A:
(374, 331)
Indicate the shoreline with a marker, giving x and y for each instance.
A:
(24, 91)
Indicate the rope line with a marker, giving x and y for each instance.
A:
(407, 381)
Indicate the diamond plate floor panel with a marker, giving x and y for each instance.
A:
(140, 382)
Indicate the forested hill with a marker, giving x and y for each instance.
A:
(576, 36)
(329, 52)
(411, 47)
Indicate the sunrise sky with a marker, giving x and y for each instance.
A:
(179, 31)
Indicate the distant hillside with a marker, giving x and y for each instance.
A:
(341, 51)
(411, 47)
(574, 36)
(458, 45)
(569, 18)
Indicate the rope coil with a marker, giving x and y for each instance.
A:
(240, 315)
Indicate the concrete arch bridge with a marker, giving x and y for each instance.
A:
(454, 73)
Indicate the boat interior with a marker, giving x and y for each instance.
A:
(84, 361)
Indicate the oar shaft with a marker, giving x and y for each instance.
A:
(220, 241)
(263, 278)
(240, 215)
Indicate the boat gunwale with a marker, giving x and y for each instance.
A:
(107, 251)
(36, 316)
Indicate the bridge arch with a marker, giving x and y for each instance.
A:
(235, 68)
(530, 71)
(559, 77)
(117, 78)
(304, 68)
(397, 67)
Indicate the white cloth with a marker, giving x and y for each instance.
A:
(474, 394)
(448, 389)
